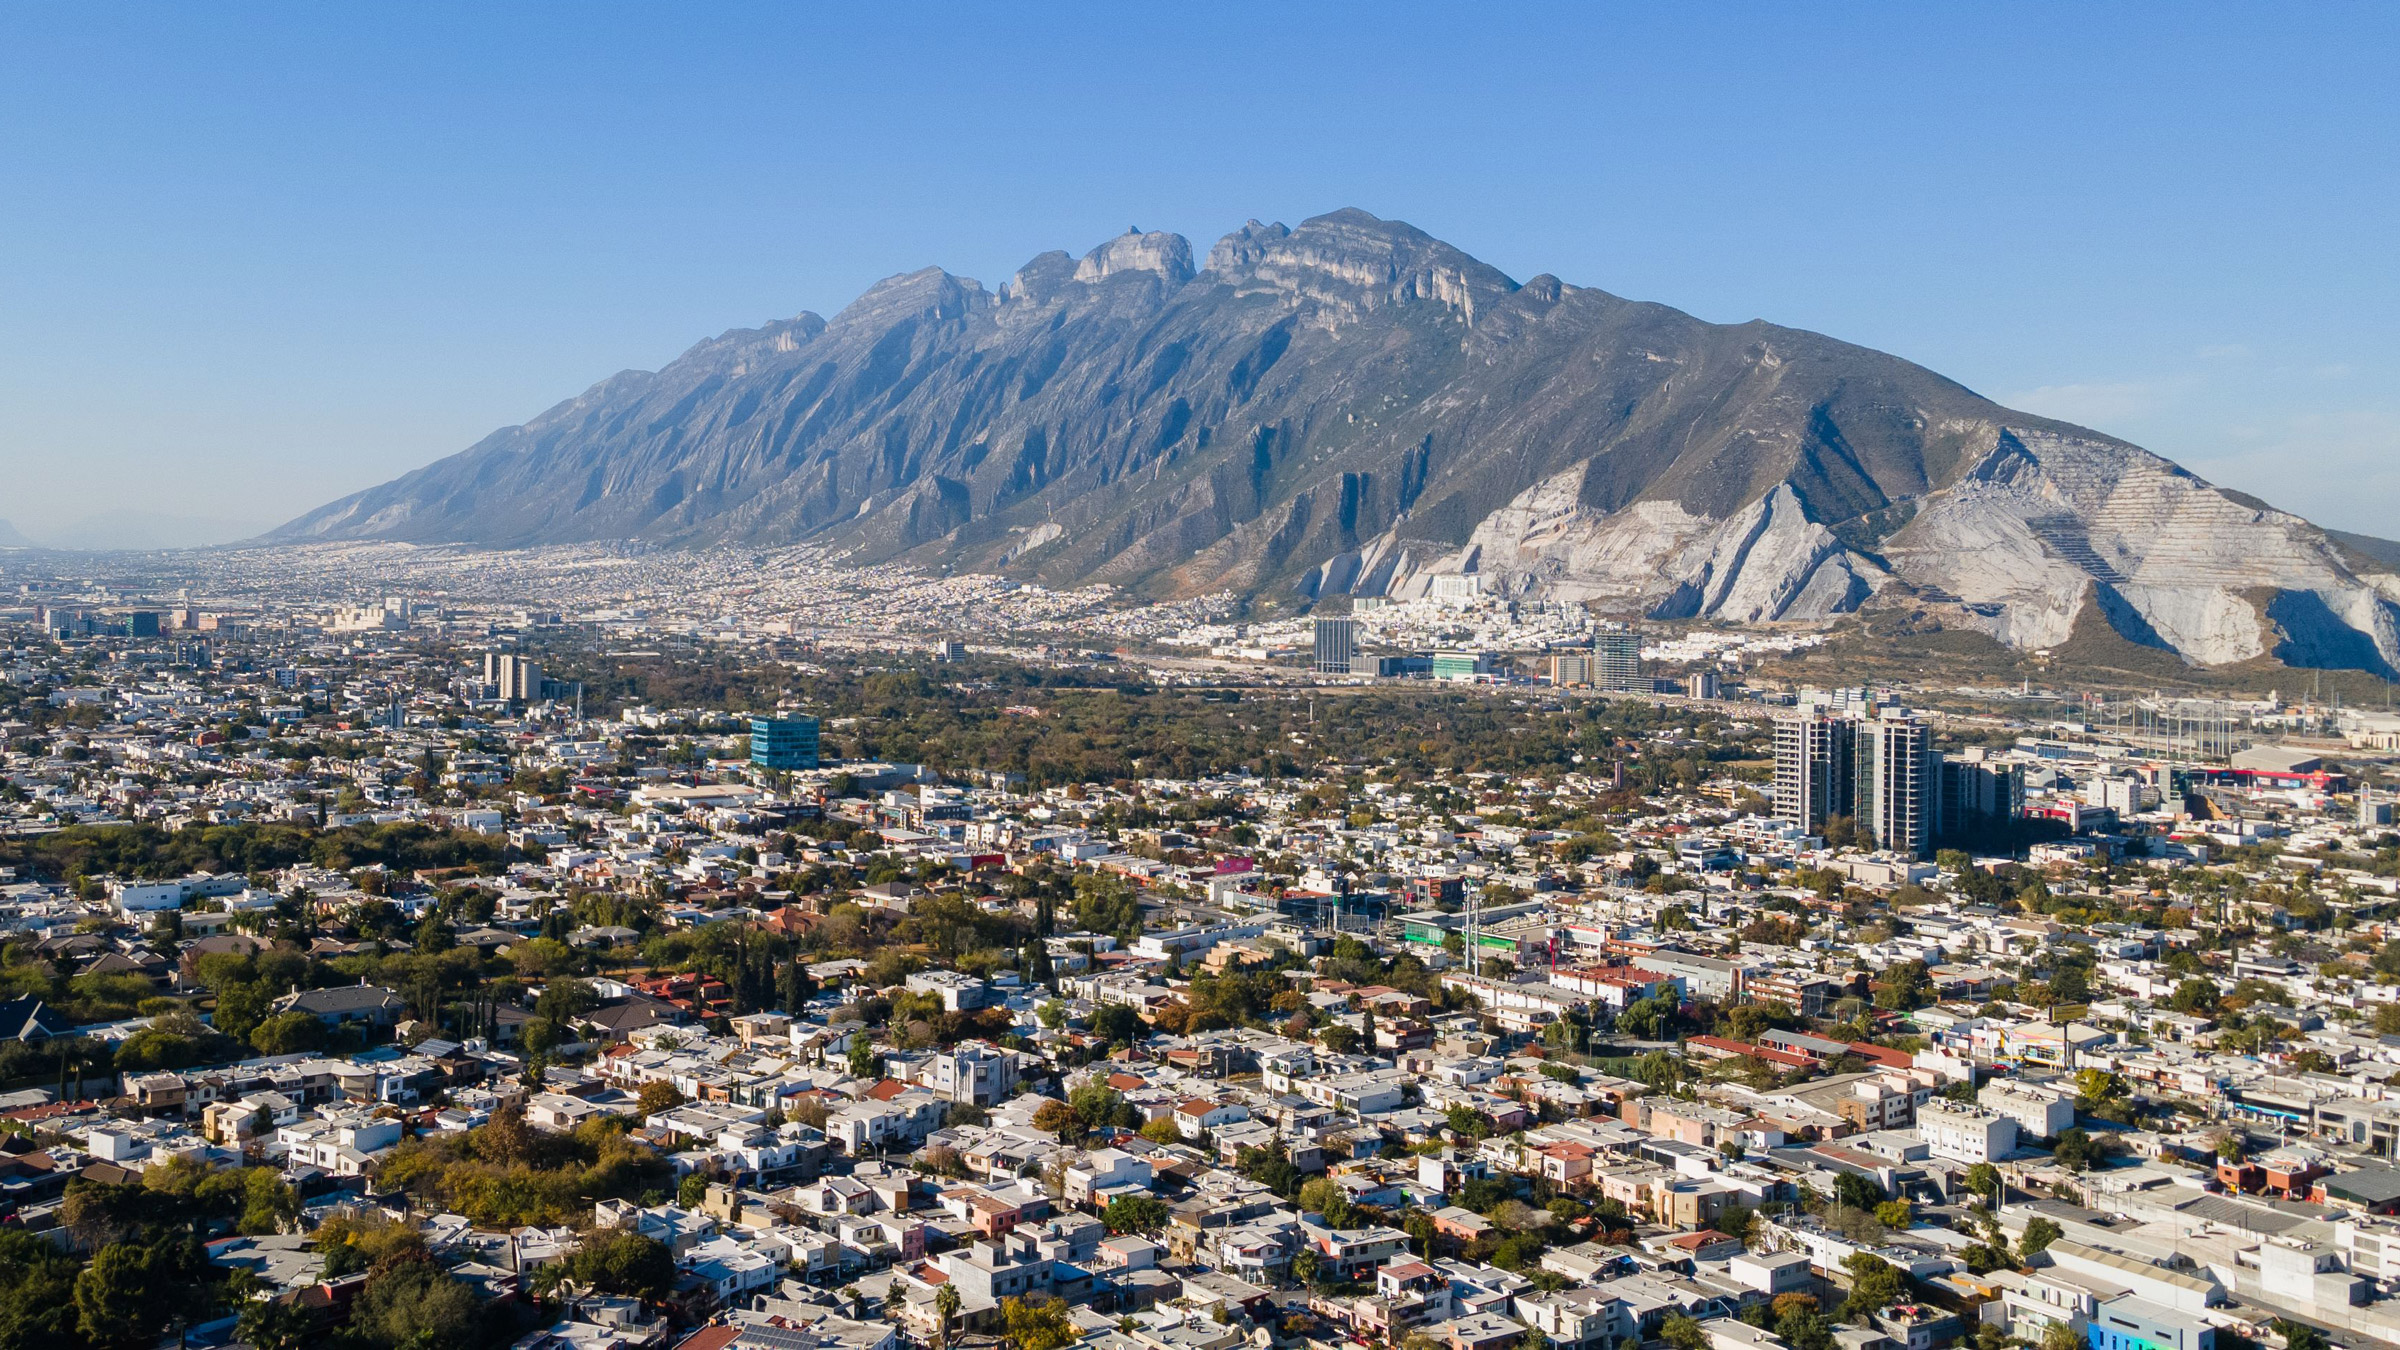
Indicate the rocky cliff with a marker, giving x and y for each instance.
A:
(1355, 407)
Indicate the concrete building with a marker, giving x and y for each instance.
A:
(2130, 1323)
(973, 1073)
(1336, 645)
(2039, 1109)
(1814, 777)
(1617, 662)
(1965, 1133)
(1893, 798)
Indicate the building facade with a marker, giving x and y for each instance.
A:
(783, 743)
(1336, 645)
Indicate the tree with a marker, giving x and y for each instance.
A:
(37, 1294)
(2297, 1335)
(1135, 1214)
(2074, 1149)
(2039, 1233)
(1644, 1019)
(276, 1324)
(1682, 1333)
(864, 1062)
(624, 1262)
(1058, 1118)
(1419, 1226)
(291, 1033)
(2071, 984)
(241, 1007)
(1039, 1324)
(692, 1191)
(1306, 1266)
(1894, 1214)
(1984, 1180)
(1982, 1258)
(1874, 1283)
(415, 1304)
(1856, 1191)
(121, 1299)
(1321, 1196)
(1801, 1326)
(945, 1307)
(658, 1095)
(2061, 1336)
(1098, 1104)
(1118, 1025)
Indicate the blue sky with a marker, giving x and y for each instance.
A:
(254, 257)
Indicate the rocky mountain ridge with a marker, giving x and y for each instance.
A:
(1351, 407)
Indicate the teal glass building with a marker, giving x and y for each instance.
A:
(784, 743)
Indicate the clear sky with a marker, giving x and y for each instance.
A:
(255, 257)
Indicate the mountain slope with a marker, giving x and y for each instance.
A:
(1353, 406)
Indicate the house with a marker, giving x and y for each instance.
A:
(619, 1018)
(1198, 1115)
(26, 1018)
(1462, 1225)
(973, 1073)
(1092, 1176)
(1566, 1165)
(345, 1004)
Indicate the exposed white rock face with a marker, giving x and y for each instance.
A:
(2044, 525)
(2035, 531)
(1768, 562)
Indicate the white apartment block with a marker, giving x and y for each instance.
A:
(1968, 1134)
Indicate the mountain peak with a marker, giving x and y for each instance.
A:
(1352, 262)
(928, 292)
(1166, 256)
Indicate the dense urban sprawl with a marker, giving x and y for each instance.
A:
(735, 951)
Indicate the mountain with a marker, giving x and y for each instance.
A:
(1355, 407)
(9, 538)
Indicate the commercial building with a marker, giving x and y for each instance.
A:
(1617, 662)
(1464, 665)
(1336, 645)
(783, 743)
